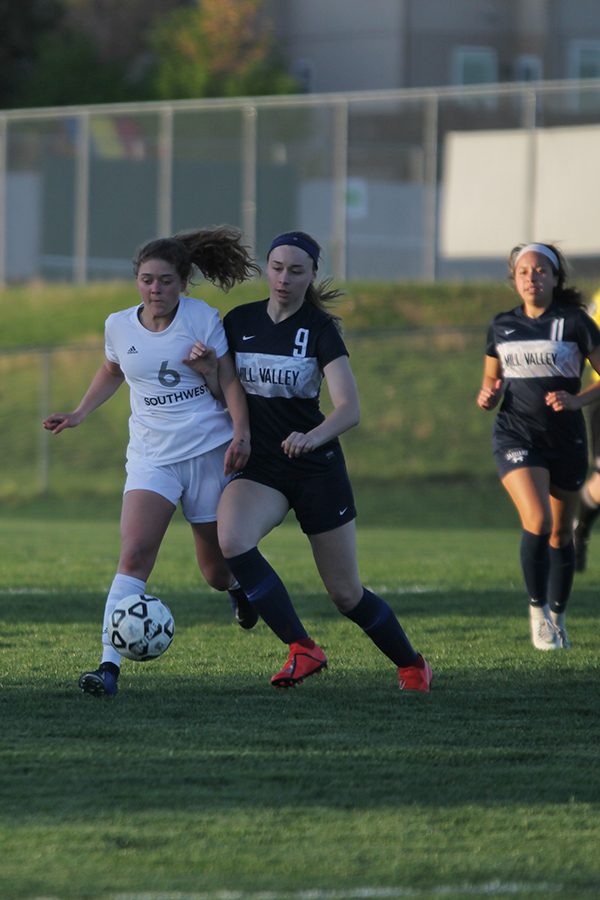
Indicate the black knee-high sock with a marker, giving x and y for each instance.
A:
(267, 593)
(560, 581)
(378, 621)
(535, 563)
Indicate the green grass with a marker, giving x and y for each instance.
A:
(45, 315)
(201, 781)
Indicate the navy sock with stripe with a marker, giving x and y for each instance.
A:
(378, 621)
(268, 595)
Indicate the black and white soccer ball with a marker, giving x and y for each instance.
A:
(141, 627)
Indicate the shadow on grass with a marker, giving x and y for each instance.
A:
(344, 740)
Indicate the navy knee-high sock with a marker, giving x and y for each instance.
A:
(560, 581)
(268, 595)
(535, 563)
(378, 621)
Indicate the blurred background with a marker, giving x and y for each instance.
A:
(418, 140)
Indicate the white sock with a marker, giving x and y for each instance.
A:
(558, 619)
(122, 586)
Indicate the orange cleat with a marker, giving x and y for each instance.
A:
(300, 663)
(415, 678)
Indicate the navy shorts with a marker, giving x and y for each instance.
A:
(567, 470)
(322, 500)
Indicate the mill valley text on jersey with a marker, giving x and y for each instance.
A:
(280, 366)
(540, 355)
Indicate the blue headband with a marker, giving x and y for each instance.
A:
(297, 239)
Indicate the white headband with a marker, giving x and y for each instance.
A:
(539, 248)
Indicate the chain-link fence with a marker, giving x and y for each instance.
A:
(414, 184)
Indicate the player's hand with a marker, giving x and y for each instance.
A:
(560, 401)
(488, 397)
(237, 455)
(297, 443)
(57, 422)
(202, 359)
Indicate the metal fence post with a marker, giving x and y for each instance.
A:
(431, 189)
(82, 199)
(249, 175)
(340, 183)
(164, 212)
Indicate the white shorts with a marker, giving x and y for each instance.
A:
(197, 482)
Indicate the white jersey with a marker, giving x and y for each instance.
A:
(174, 416)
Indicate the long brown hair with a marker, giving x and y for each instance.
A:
(217, 253)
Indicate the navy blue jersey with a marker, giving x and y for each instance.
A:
(537, 356)
(280, 366)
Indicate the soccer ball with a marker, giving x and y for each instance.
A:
(141, 627)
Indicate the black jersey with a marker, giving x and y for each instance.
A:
(537, 356)
(280, 366)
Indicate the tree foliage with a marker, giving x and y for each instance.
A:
(23, 24)
(216, 48)
(62, 52)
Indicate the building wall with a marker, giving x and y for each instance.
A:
(335, 45)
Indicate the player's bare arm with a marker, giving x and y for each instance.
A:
(491, 385)
(562, 400)
(107, 380)
(203, 360)
(238, 452)
(344, 415)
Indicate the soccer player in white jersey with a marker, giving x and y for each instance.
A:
(284, 347)
(534, 360)
(183, 443)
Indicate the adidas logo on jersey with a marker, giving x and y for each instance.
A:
(132, 349)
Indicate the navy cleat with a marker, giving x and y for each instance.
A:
(244, 612)
(101, 683)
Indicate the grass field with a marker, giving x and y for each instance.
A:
(200, 781)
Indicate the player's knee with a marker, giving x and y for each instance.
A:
(561, 537)
(345, 597)
(217, 575)
(537, 523)
(232, 544)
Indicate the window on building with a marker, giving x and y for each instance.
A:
(528, 67)
(474, 65)
(583, 61)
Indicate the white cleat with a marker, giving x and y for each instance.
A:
(544, 636)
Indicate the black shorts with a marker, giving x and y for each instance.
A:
(322, 500)
(567, 470)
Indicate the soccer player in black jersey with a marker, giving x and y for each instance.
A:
(534, 359)
(284, 347)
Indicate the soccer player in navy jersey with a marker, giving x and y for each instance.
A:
(534, 360)
(284, 347)
(183, 443)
